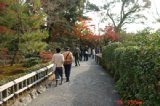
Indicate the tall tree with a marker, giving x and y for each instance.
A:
(62, 12)
(20, 22)
(121, 12)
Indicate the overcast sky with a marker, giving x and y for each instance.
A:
(151, 14)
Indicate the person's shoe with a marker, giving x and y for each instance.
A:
(67, 80)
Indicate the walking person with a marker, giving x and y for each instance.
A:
(76, 54)
(68, 59)
(93, 53)
(89, 52)
(86, 54)
(81, 54)
(58, 60)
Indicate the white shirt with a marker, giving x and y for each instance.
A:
(89, 51)
(58, 59)
(93, 52)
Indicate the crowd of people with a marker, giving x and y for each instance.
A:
(83, 53)
(63, 61)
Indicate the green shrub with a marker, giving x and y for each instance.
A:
(31, 61)
(135, 66)
(108, 54)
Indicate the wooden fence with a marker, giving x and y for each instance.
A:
(17, 86)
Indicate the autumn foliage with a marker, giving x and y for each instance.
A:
(46, 56)
(4, 29)
(82, 30)
(109, 33)
(3, 51)
(2, 5)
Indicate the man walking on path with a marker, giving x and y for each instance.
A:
(76, 54)
(58, 60)
(68, 59)
(86, 54)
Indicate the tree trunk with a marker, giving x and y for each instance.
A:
(14, 57)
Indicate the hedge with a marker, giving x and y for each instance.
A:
(135, 68)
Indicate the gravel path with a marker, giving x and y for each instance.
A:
(89, 85)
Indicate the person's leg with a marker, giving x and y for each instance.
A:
(56, 76)
(61, 74)
(65, 70)
(84, 57)
(80, 57)
(68, 72)
(78, 62)
(75, 61)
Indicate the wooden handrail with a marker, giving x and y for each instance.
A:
(17, 86)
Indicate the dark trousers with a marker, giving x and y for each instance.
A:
(67, 70)
(77, 61)
(59, 73)
(80, 57)
(85, 57)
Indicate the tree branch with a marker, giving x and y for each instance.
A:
(122, 9)
(111, 18)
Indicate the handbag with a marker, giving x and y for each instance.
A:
(51, 77)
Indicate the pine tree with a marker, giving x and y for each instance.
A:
(20, 23)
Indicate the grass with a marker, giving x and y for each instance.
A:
(8, 70)
(9, 73)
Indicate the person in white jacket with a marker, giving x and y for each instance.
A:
(93, 53)
(58, 60)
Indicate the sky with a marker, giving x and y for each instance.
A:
(150, 14)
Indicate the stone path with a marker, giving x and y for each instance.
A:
(89, 85)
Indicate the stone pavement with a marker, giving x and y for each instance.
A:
(89, 85)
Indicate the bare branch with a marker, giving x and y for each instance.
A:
(110, 16)
(122, 9)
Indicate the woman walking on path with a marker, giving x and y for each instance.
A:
(58, 60)
(68, 59)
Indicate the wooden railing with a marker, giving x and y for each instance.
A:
(17, 86)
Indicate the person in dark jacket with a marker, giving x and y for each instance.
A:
(76, 54)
